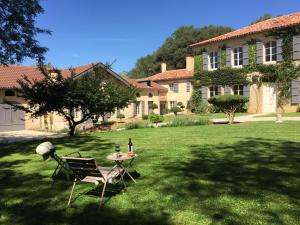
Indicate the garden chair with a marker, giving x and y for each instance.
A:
(85, 170)
(48, 152)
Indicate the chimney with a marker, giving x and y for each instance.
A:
(189, 63)
(163, 67)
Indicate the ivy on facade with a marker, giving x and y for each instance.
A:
(282, 74)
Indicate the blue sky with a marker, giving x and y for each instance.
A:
(87, 31)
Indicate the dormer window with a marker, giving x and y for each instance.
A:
(238, 56)
(271, 51)
(213, 56)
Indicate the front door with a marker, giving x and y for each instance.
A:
(163, 108)
(269, 98)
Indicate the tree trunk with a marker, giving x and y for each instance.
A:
(72, 130)
(230, 117)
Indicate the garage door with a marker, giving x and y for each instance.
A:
(11, 119)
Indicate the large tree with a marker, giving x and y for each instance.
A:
(18, 31)
(93, 94)
(174, 50)
(264, 17)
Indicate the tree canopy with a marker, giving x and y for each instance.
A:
(174, 50)
(266, 16)
(93, 94)
(18, 31)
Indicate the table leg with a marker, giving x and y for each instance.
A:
(125, 170)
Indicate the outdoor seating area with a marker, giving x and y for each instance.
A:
(86, 170)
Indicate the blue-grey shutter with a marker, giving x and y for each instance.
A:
(245, 55)
(259, 52)
(227, 90)
(205, 60)
(246, 90)
(204, 93)
(296, 47)
(175, 87)
(295, 91)
(228, 57)
(279, 50)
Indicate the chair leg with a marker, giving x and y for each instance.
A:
(103, 190)
(72, 192)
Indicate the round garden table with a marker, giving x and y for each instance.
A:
(120, 159)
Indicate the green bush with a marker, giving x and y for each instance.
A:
(120, 116)
(184, 121)
(153, 106)
(155, 118)
(137, 125)
(202, 108)
(175, 110)
(180, 105)
(229, 104)
(144, 117)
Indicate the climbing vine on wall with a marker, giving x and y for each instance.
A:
(282, 73)
(198, 63)
(223, 57)
(223, 76)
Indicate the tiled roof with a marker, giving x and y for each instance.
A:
(141, 85)
(170, 75)
(270, 24)
(11, 73)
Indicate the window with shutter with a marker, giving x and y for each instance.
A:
(175, 87)
(188, 86)
(295, 92)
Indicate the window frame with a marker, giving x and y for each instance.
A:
(214, 91)
(238, 89)
(238, 56)
(270, 48)
(213, 60)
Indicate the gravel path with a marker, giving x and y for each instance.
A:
(254, 118)
(26, 135)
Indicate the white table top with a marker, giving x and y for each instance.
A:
(122, 157)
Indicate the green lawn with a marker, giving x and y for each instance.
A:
(292, 114)
(216, 174)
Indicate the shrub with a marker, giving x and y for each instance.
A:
(185, 121)
(181, 106)
(155, 118)
(144, 117)
(153, 106)
(175, 110)
(120, 116)
(136, 125)
(202, 108)
(229, 104)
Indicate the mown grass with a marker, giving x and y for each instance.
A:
(216, 174)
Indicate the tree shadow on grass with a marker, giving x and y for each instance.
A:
(226, 178)
(31, 200)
